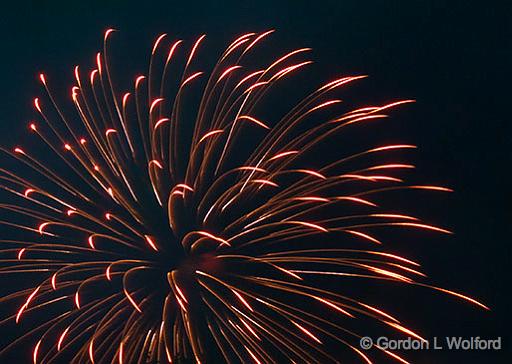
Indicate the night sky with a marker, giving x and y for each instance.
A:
(453, 57)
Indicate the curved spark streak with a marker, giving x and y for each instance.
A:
(312, 173)
(36, 349)
(363, 235)
(239, 296)
(107, 273)
(310, 225)
(77, 300)
(134, 304)
(20, 253)
(61, 338)
(188, 79)
(138, 80)
(157, 42)
(265, 182)
(54, 281)
(90, 241)
(283, 154)
(254, 120)
(91, 351)
(154, 104)
(209, 134)
(253, 356)
(121, 353)
(228, 71)
(307, 332)
(211, 236)
(337, 308)
(160, 122)
(27, 302)
(185, 187)
(156, 163)
(150, 242)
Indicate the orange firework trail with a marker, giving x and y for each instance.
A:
(157, 236)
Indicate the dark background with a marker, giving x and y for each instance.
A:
(452, 56)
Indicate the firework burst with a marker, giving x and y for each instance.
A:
(153, 236)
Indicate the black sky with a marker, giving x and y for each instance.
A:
(453, 57)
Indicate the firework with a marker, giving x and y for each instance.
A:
(153, 231)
